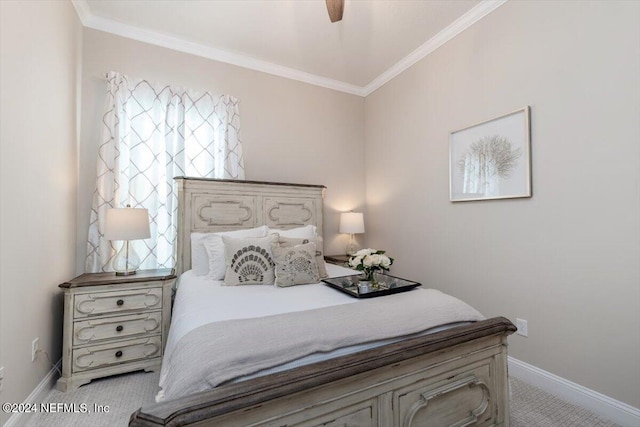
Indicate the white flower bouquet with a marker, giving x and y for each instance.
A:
(370, 261)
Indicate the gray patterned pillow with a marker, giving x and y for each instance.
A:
(249, 261)
(295, 265)
(286, 242)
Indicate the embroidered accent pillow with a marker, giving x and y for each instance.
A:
(249, 261)
(287, 242)
(295, 265)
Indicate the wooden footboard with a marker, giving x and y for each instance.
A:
(456, 377)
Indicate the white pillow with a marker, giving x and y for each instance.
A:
(305, 232)
(200, 260)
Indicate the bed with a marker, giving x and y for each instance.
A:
(454, 374)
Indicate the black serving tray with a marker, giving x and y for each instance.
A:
(387, 285)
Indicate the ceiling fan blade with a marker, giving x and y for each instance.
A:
(335, 9)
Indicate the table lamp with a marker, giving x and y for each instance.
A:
(352, 223)
(126, 224)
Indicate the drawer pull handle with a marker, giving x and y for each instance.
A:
(119, 328)
(120, 302)
(118, 353)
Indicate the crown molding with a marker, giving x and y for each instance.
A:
(90, 20)
(475, 14)
(182, 45)
(82, 9)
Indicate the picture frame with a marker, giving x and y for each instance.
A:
(491, 159)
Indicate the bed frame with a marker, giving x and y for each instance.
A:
(455, 377)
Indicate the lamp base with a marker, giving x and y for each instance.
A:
(125, 273)
(352, 247)
(126, 261)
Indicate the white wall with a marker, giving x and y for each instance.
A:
(39, 72)
(568, 259)
(291, 131)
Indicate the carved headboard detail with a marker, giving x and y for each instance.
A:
(212, 205)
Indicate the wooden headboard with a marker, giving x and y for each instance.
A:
(209, 205)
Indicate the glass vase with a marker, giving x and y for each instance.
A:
(369, 276)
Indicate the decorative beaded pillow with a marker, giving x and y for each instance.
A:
(295, 265)
(249, 261)
(286, 242)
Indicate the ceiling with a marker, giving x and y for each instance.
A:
(293, 38)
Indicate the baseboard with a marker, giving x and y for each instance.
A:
(37, 396)
(604, 406)
(599, 404)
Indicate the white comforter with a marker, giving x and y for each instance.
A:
(200, 301)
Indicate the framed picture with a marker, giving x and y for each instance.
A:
(492, 159)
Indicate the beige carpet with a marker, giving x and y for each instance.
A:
(533, 407)
(123, 394)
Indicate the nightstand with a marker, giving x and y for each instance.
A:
(114, 324)
(342, 260)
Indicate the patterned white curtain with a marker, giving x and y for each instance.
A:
(150, 135)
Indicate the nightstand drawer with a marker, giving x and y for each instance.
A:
(90, 331)
(100, 356)
(98, 303)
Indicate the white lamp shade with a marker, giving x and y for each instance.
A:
(352, 222)
(127, 224)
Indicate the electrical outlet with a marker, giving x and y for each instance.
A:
(1, 377)
(523, 329)
(34, 348)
